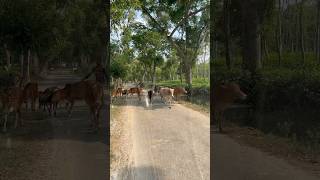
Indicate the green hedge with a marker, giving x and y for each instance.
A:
(200, 91)
(284, 101)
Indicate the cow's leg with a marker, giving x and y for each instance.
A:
(67, 104)
(19, 117)
(55, 106)
(47, 106)
(219, 120)
(33, 104)
(5, 123)
(93, 116)
(50, 109)
(98, 114)
(70, 109)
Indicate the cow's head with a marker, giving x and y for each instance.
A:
(184, 91)
(235, 91)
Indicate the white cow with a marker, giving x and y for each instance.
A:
(166, 93)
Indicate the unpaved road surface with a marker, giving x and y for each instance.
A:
(171, 144)
(56, 148)
(232, 161)
(174, 143)
(77, 154)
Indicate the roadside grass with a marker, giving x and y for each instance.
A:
(196, 83)
(197, 102)
(115, 112)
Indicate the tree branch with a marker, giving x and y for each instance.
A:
(145, 10)
(185, 18)
(164, 31)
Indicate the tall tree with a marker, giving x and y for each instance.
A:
(301, 30)
(227, 32)
(179, 13)
(279, 32)
(318, 32)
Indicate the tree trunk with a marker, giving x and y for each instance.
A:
(227, 33)
(266, 51)
(36, 64)
(318, 33)
(8, 55)
(186, 57)
(302, 48)
(28, 65)
(180, 73)
(212, 52)
(279, 34)
(154, 75)
(251, 52)
(188, 75)
(22, 64)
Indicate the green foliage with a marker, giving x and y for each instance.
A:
(118, 69)
(196, 83)
(287, 99)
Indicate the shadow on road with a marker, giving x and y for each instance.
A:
(41, 126)
(157, 103)
(145, 172)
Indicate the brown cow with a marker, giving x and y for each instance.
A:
(135, 90)
(12, 100)
(178, 91)
(57, 97)
(30, 91)
(114, 93)
(223, 97)
(91, 92)
(119, 92)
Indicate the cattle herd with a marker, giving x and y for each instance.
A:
(91, 92)
(167, 94)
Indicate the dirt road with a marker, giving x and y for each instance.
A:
(76, 153)
(167, 143)
(68, 151)
(174, 143)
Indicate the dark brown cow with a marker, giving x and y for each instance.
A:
(223, 97)
(150, 95)
(12, 100)
(179, 91)
(57, 97)
(124, 92)
(30, 91)
(45, 98)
